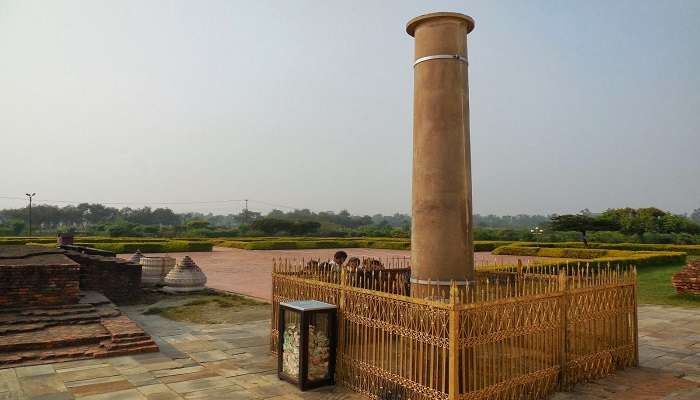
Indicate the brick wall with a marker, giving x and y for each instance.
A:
(687, 281)
(38, 285)
(115, 278)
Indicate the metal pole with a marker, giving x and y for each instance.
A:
(30, 211)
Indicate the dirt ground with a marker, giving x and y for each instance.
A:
(248, 271)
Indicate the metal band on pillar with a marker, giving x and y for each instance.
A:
(439, 283)
(442, 57)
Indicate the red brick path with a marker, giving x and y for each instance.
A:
(248, 271)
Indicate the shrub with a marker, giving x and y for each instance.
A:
(489, 245)
(271, 245)
(689, 249)
(290, 243)
(25, 240)
(597, 256)
(585, 254)
(639, 260)
(516, 251)
(173, 246)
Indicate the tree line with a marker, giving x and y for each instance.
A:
(613, 225)
(98, 219)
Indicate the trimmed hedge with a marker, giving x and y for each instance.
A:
(290, 243)
(172, 246)
(646, 259)
(643, 260)
(585, 254)
(490, 245)
(597, 256)
(94, 239)
(25, 240)
(123, 245)
(690, 249)
(313, 244)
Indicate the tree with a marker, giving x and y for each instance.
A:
(650, 220)
(197, 224)
(695, 216)
(581, 223)
(270, 226)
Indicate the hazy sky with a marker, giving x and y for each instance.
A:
(574, 104)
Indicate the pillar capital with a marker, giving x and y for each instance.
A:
(436, 16)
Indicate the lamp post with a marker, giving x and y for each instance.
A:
(537, 230)
(30, 211)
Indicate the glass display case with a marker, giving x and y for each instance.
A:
(307, 343)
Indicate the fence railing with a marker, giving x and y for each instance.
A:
(515, 333)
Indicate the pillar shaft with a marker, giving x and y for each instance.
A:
(441, 237)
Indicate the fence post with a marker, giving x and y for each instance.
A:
(564, 299)
(453, 388)
(635, 316)
(340, 353)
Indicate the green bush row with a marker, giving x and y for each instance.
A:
(25, 240)
(172, 246)
(577, 253)
(308, 239)
(330, 243)
(643, 259)
(314, 244)
(92, 239)
(597, 256)
(639, 260)
(690, 249)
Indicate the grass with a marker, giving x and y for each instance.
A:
(655, 286)
(209, 309)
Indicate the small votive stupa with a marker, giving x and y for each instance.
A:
(185, 277)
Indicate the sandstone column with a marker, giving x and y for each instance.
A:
(441, 237)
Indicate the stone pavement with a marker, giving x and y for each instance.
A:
(225, 361)
(669, 339)
(669, 356)
(232, 361)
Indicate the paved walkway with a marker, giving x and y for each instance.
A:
(669, 356)
(248, 271)
(232, 361)
(227, 361)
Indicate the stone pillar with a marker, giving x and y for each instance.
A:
(441, 237)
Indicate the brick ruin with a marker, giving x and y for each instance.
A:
(687, 281)
(53, 305)
(114, 277)
(35, 276)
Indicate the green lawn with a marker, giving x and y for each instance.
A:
(655, 287)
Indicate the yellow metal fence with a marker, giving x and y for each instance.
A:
(517, 333)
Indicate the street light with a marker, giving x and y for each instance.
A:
(30, 211)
